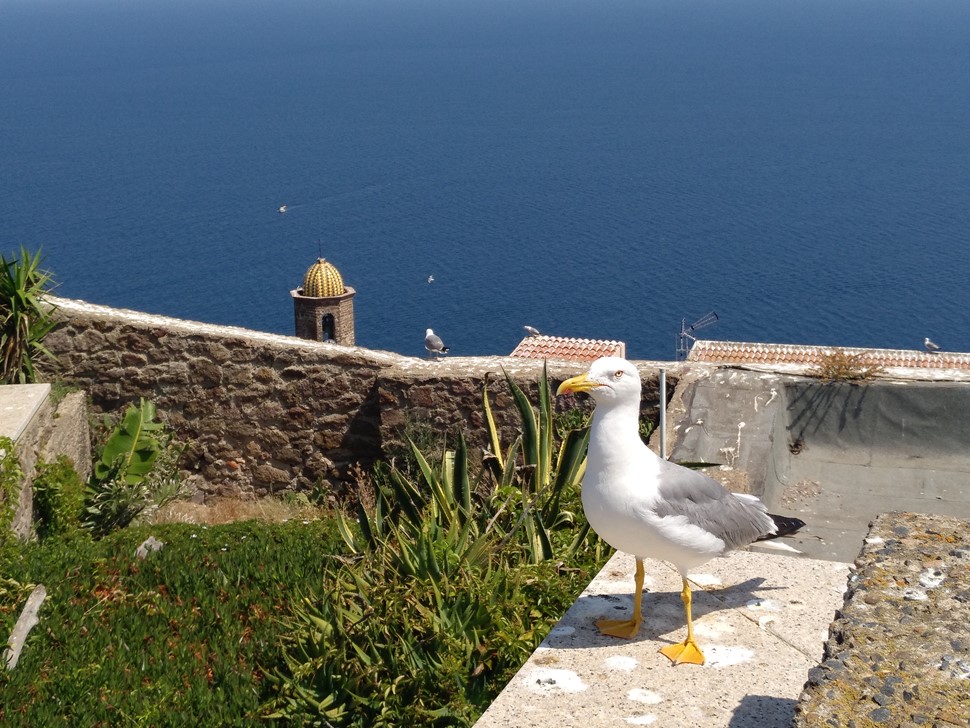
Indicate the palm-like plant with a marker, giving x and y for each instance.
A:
(25, 318)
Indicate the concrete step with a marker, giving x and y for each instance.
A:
(761, 620)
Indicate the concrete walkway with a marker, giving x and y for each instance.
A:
(761, 620)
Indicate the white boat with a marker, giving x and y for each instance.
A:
(282, 209)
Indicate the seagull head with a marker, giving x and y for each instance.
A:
(609, 379)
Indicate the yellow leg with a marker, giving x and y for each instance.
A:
(686, 651)
(626, 628)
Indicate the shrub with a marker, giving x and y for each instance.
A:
(136, 471)
(58, 498)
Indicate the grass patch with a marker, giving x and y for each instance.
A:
(178, 638)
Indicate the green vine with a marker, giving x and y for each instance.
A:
(11, 477)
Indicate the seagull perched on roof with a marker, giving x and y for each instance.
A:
(931, 346)
(434, 344)
(646, 506)
(532, 331)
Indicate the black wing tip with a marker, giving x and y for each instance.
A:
(784, 525)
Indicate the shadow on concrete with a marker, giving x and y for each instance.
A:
(763, 711)
(811, 407)
(663, 613)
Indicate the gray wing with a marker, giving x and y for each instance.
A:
(705, 503)
(433, 342)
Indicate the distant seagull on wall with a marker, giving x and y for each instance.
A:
(433, 343)
(531, 330)
(931, 346)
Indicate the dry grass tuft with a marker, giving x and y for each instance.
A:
(840, 366)
(229, 510)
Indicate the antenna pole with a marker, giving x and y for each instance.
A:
(662, 386)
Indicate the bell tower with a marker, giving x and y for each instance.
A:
(323, 306)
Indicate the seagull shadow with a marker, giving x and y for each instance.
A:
(763, 711)
(663, 613)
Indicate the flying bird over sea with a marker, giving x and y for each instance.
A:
(646, 506)
(430, 279)
(931, 346)
(434, 344)
(531, 330)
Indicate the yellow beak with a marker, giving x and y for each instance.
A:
(579, 383)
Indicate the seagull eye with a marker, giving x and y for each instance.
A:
(618, 374)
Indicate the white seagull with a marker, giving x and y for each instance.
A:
(649, 507)
(434, 344)
(531, 330)
(931, 346)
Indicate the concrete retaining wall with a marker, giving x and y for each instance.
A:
(265, 413)
(834, 454)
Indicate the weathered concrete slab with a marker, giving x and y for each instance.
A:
(18, 405)
(761, 620)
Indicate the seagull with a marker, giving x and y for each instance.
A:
(430, 279)
(931, 346)
(434, 344)
(646, 506)
(532, 331)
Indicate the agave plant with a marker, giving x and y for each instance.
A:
(433, 603)
(545, 472)
(25, 319)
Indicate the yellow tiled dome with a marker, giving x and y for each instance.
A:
(322, 280)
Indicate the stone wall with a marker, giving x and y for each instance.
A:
(265, 413)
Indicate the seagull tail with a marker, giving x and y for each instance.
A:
(784, 526)
(444, 349)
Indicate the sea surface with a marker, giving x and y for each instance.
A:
(607, 169)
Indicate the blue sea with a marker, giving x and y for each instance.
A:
(604, 169)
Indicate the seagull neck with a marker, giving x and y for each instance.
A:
(616, 423)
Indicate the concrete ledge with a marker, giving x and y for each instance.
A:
(899, 652)
(761, 620)
(25, 417)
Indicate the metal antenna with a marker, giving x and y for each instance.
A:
(684, 338)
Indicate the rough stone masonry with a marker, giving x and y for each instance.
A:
(264, 413)
(898, 653)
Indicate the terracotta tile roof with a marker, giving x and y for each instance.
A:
(565, 349)
(734, 352)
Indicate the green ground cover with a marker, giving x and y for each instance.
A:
(179, 637)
